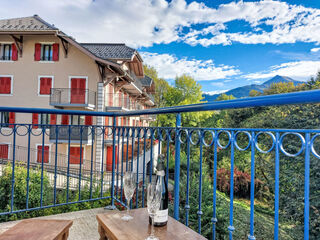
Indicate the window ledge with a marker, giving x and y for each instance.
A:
(7, 61)
(5, 95)
(43, 95)
(46, 61)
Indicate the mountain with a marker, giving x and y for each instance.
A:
(245, 90)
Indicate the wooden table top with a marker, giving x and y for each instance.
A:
(36, 229)
(138, 228)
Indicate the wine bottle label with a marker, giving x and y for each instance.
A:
(161, 216)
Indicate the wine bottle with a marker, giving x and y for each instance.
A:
(161, 217)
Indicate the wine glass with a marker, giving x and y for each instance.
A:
(129, 186)
(153, 203)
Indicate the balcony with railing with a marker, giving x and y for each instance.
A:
(194, 156)
(69, 97)
(118, 102)
(72, 133)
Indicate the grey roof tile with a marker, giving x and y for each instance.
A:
(146, 81)
(34, 23)
(109, 51)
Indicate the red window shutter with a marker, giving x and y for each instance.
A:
(65, 119)
(45, 158)
(5, 85)
(55, 52)
(35, 120)
(8, 85)
(14, 50)
(122, 121)
(110, 95)
(37, 52)
(120, 99)
(53, 119)
(4, 151)
(75, 155)
(88, 120)
(12, 117)
(45, 85)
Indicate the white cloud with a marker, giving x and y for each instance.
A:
(315, 50)
(299, 70)
(145, 22)
(169, 66)
(217, 84)
(216, 92)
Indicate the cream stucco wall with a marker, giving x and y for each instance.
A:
(25, 74)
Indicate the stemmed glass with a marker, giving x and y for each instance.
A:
(129, 186)
(153, 203)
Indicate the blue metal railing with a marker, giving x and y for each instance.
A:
(137, 147)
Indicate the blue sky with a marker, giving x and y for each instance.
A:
(221, 43)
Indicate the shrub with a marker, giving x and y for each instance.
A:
(242, 181)
(20, 193)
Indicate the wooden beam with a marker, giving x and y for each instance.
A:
(65, 46)
(19, 43)
(120, 85)
(102, 71)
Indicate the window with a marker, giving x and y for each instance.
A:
(8, 52)
(6, 118)
(45, 85)
(5, 84)
(77, 120)
(45, 153)
(46, 52)
(45, 119)
(42, 119)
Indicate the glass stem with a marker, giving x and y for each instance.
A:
(152, 229)
(128, 206)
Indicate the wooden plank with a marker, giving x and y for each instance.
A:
(37, 229)
(139, 228)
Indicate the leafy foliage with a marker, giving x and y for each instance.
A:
(20, 193)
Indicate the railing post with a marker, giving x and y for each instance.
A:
(177, 167)
(307, 187)
(112, 206)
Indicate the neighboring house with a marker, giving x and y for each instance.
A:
(42, 67)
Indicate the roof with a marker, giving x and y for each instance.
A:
(34, 23)
(146, 81)
(110, 50)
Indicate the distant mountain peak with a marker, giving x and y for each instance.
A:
(244, 91)
(278, 79)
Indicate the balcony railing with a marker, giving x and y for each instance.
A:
(72, 133)
(116, 102)
(187, 149)
(69, 97)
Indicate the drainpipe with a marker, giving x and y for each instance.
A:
(100, 122)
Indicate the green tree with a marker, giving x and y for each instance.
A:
(184, 92)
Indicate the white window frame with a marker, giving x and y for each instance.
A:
(87, 95)
(11, 90)
(46, 43)
(2, 43)
(84, 154)
(52, 84)
(36, 157)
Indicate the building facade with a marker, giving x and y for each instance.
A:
(42, 67)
